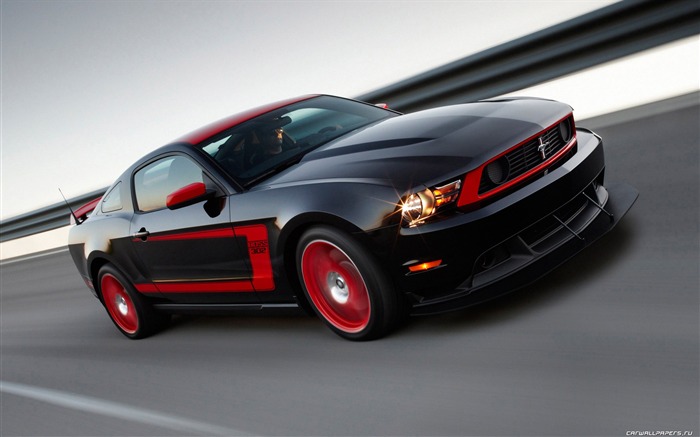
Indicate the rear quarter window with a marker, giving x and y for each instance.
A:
(112, 201)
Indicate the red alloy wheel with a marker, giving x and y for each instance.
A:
(336, 287)
(119, 305)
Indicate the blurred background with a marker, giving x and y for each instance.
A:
(606, 345)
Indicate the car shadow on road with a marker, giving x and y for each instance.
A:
(240, 320)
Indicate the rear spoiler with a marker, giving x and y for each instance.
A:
(81, 214)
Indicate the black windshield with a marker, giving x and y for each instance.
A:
(263, 146)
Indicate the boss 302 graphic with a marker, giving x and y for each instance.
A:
(354, 211)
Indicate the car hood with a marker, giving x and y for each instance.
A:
(426, 147)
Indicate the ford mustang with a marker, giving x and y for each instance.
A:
(352, 211)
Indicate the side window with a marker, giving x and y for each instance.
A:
(113, 200)
(153, 183)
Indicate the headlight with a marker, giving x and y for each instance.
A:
(419, 206)
(446, 194)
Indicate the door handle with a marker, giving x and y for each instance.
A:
(142, 234)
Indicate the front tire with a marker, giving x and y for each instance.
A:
(130, 312)
(345, 285)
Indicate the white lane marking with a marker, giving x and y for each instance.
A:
(25, 258)
(116, 410)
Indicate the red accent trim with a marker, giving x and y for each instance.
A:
(259, 252)
(205, 287)
(212, 129)
(84, 210)
(188, 192)
(195, 235)
(146, 288)
(470, 192)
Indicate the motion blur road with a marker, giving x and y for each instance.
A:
(606, 344)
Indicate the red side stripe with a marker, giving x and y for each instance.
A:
(205, 132)
(258, 251)
(196, 235)
(146, 288)
(205, 287)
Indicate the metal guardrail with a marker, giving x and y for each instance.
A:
(44, 219)
(609, 33)
(605, 34)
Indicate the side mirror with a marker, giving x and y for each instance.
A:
(189, 195)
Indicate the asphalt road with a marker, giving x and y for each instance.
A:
(606, 345)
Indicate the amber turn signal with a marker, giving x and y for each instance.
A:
(425, 266)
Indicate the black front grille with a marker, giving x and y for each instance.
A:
(519, 161)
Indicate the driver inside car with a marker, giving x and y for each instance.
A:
(270, 144)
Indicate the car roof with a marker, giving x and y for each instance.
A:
(212, 129)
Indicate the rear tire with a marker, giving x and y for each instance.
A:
(345, 286)
(130, 312)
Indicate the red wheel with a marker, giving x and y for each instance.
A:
(129, 310)
(345, 286)
(119, 305)
(335, 286)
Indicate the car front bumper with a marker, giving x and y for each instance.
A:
(515, 240)
(529, 267)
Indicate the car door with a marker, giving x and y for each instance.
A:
(190, 252)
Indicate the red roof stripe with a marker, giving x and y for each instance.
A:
(212, 129)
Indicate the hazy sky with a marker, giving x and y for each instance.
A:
(90, 86)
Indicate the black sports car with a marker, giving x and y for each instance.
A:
(352, 210)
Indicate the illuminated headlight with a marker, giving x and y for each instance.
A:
(418, 207)
(447, 193)
(421, 205)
